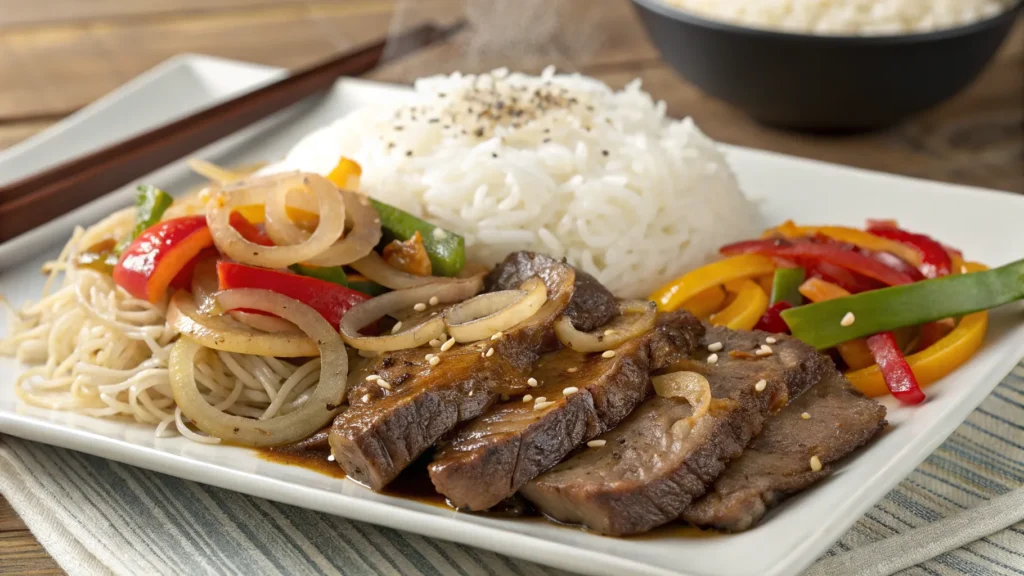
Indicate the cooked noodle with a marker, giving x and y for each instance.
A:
(96, 350)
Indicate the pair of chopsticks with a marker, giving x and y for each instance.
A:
(39, 198)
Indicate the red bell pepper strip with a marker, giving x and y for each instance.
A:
(849, 281)
(248, 230)
(829, 253)
(151, 262)
(772, 320)
(329, 299)
(899, 377)
(897, 264)
(935, 260)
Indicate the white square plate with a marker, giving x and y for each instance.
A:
(984, 224)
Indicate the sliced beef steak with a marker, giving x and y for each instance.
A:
(777, 463)
(491, 457)
(384, 431)
(592, 304)
(652, 466)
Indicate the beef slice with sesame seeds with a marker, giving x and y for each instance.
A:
(655, 463)
(777, 462)
(384, 430)
(491, 457)
(592, 304)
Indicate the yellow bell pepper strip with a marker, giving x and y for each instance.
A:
(673, 295)
(765, 282)
(858, 238)
(706, 303)
(748, 307)
(934, 362)
(855, 353)
(346, 174)
(826, 324)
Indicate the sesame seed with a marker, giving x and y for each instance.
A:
(435, 361)
(330, 457)
(419, 307)
(848, 320)
(608, 354)
(805, 416)
(815, 463)
(435, 343)
(712, 358)
(505, 397)
(439, 234)
(365, 398)
(596, 443)
(471, 393)
(963, 269)
(372, 377)
(572, 370)
(433, 301)
(541, 399)
(396, 327)
(717, 346)
(542, 405)
(528, 398)
(764, 350)
(770, 340)
(497, 335)
(448, 344)
(490, 352)
(609, 332)
(384, 384)
(761, 385)
(532, 382)
(569, 391)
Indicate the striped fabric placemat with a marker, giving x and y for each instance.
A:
(96, 516)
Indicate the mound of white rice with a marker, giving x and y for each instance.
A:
(559, 164)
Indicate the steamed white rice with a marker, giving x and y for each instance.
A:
(559, 164)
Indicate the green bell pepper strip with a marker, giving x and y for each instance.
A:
(150, 205)
(332, 274)
(786, 286)
(820, 324)
(370, 288)
(446, 250)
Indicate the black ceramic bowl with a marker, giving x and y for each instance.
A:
(823, 83)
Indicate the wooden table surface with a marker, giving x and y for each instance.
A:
(58, 55)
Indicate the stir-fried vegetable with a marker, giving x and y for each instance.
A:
(676, 293)
(786, 286)
(935, 261)
(408, 256)
(746, 309)
(332, 274)
(899, 378)
(822, 325)
(859, 238)
(829, 253)
(331, 300)
(152, 261)
(447, 250)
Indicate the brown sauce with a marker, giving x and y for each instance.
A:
(414, 484)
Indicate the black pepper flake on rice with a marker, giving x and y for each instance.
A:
(494, 154)
(604, 152)
(434, 120)
(479, 132)
(408, 152)
(546, 140)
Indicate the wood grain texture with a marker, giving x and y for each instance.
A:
(58, 55)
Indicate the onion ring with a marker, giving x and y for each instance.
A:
(487, 314)
(364, 233)
(635, 318)
(692, 386)
(330, 228)
(377, 270)
(321, 407)
(225, 333)
(414, 335)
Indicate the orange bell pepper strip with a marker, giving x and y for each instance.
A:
(748, 307)
(155, 257)
(706, 303)
(346, 174)
(858, 238)
(936, 361)
(675, 294)
(855, 353)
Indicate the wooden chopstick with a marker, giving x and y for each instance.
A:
(42, 197)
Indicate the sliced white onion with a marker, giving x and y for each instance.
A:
(376, 269)
(692, 386)
(225, 333)
(264, 323)
(364, 233)
(635, 318)
(321, 407)
(487, 314)
(279, 226)
(330, 207)
(414, 335)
